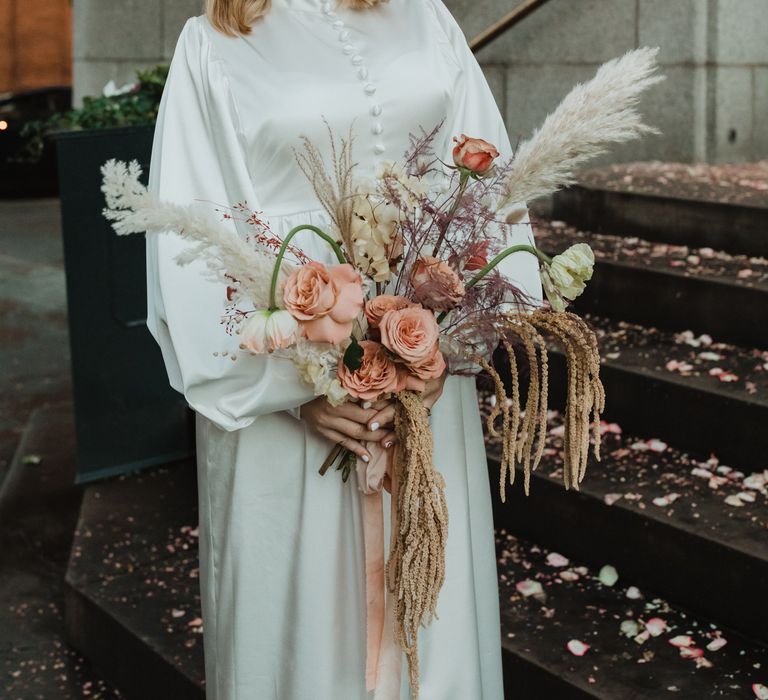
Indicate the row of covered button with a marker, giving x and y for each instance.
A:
(362, 71)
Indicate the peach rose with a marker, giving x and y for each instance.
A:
(474, 154)
(376, 375)
(436, 284)
(378, 306)
(412, 334)
(324, 300)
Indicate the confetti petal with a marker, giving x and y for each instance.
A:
(608, 575)
(577, 648)
(555, 559)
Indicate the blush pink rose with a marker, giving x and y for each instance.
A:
(474, 154)
(436, 284)
(324, 300)
(376, 308)
(412, 334)
(377, 375)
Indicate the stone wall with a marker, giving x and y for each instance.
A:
(714, 52)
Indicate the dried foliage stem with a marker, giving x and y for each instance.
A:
(415, 569)
(523, 441)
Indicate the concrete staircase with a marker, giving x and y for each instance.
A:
(678, 503)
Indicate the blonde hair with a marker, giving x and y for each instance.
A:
(235, 17)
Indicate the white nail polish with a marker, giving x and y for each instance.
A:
(374, 427)
(367, 404)
(366, 459)
(387, 444)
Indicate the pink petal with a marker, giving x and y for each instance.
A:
(656, 626)
(760, 691)
(681, 640)
(528, 588)
(555, 559)
(657, 445)
(717, 643)
(577, 648)
(691, 652)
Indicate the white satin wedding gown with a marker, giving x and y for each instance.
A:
(281, 548)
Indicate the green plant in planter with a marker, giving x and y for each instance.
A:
(134, 108)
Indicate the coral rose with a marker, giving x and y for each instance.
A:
(436, 284)
(324, 300)
(412, 334)
(378, 306)
(377, 375)
(474, 154)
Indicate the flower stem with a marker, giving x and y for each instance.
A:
(463, 181)
(281, 254)
(493, 263)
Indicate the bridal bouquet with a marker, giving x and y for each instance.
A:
(415, 291)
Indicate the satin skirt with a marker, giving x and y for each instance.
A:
(282, 565)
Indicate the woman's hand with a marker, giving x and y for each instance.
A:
(345, 425)
(385, 416)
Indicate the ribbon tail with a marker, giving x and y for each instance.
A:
(373, 527)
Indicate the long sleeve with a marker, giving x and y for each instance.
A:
(198, 153)
(476, 114)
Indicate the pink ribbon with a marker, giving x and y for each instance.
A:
(383, 657)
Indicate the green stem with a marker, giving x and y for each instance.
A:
(281, 254)
(493, 263)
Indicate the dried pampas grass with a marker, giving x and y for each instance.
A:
(133, 209)
(591, 116)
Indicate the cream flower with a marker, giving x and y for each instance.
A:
(317, 364)
(410, 189)
(571, 269)
(266, 331)
(375, 235)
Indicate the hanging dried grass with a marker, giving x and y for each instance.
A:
(334, 189)
(415, 569)
(523, 442)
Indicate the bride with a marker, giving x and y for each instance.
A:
(282, 570)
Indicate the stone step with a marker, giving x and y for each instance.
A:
(722, 207)
(733, 227)
(697, 393)
(132, 598)
(692, 530)
(549, 600)
(670, 287)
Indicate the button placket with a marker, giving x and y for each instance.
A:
(348, 48)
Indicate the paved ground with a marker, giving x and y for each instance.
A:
(35, 661)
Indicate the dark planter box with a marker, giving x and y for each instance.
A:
(126, 414)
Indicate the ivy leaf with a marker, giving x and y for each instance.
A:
(353, 357)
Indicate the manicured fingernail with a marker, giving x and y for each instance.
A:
(367, 404)
(387, 444)
(366, 458)
(374, 427)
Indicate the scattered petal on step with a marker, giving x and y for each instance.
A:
(633, 593)
(178, 613)
(709, 355)
(608, 575)
(691, 652)
(611, 498)
(568, 575)
(663, 501)
(702, 661)
(656, 626)
(760, 691)
(657, 445)
(629, 628)
(31, 459)
(577, 648)
(555, 559)
(681, 640)
(734, 501)
(747, 497)
(529, 588)
(717, 643)
(643, 637)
